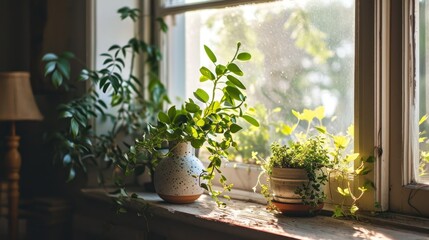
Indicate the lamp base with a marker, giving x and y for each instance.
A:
(13, 164)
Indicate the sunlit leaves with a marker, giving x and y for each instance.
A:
(423, 119)
(236, 82)
(201, 95)
(162, 117)
(251, 120)
(234, 93)
(235, 69)
(235, 128)
(287, 130)
(341, 142)
(344, 192)
(192, 107)
(210, 54)
(207, 73)
(244, 56)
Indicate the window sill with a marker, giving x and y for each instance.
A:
(245, 220)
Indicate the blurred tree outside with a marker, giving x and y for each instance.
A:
(302, 57)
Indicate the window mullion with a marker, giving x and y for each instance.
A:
(365, 75)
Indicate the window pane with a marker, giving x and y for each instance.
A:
(302, 57)
(422, 165)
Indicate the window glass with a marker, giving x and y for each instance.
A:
(422, 164)
(302, 57)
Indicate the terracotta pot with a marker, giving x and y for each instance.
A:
(174, 177)
(283, 183)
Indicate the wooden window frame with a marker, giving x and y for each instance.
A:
(405, 195)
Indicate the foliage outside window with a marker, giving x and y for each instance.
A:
(303, 57)
(422, 164)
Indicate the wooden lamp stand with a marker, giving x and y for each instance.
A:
(13, 163)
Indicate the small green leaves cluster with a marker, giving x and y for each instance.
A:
(311, 155)
(79, 143)
(209, 118)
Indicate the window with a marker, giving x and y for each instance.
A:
(302, 58)
(376, 60)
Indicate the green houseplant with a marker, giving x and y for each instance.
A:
(78, 145)
(296, 171)
(209, 119)
(328, 159)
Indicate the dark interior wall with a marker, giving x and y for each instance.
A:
(29, 29)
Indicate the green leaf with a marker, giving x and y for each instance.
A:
(344, 192)
(64, 67)
(201, 123)
(251, 120)
(287, 130)
(210, 54)
(197, 143)
(244, 56)
(234, 93)
(353, 209)
(172, 112)
(235, 69)
(57, 79)
(235, 128)
(220, 69)
(74, 127)
(66, 114)
(72, 174)
(350, 158)
(162, 117)
(423, 119)
(192, 107)
(370, 159)
(319, 113)
(67, 159)
(49, 57)
(207, 73)
(162, 24)
(84, 75)
(203, 78)
(236, 82)
(201, 95)
(49, 68)
(338, 212)
(113, 47)
(321, 129)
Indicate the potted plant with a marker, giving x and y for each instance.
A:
(297, 175)
(209, 119)
(78, 145)
(313, 157)
(297, 170)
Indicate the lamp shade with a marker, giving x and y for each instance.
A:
(16, 98)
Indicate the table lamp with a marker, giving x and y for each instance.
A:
(16, 104)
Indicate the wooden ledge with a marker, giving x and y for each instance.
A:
(245, 220)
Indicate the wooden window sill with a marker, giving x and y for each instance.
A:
(245, 220)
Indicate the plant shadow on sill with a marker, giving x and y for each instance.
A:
(384, 219)
(247, 220)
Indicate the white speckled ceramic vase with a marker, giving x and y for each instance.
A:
(174, 181)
